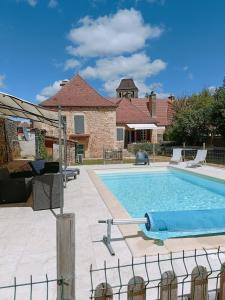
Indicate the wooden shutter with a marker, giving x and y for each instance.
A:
(119, 134)
(79, 124)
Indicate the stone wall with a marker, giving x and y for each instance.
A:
(28, 147)
(9, 144)
(70, 153)
(156, 133)
(160, 132)
(3, 144)
(100, 129)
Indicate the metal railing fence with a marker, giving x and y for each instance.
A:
(215, 155)
(33, 290)
(112, 155)
(195, 275)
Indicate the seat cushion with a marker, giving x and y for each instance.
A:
(37, 166)
(51, 167)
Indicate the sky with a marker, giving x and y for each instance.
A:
(169, 46)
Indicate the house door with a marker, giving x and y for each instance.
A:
(79, 150)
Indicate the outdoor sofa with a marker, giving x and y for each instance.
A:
(42, 179)
(13, 189)
(40, 167)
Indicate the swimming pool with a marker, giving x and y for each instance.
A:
(166, 190)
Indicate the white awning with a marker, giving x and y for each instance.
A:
(142, 126)
(12, 106)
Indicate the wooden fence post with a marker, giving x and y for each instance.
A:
(136, 289)
(103, 292)
(222, 283)
(199, 283)
(65, 231)
(168, 288)
(153, 152)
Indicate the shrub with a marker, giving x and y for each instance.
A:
(148, 147)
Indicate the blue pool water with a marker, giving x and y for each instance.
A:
(167, 190)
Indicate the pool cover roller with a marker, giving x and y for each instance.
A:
(187, 221)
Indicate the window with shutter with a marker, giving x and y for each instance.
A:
(79, 124)
(120, 134)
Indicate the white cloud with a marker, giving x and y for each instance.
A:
(30, 2)
(123, 32)
(49, 91)
(156, 86)
(186, 69)
(2, 81)
(52, 3)
(110, 86)
(71, 64)
(137, 66)
(162, 95)
(212, 89)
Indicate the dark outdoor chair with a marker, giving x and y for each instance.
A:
(142, 158)
(53, 167)
(40, 167)
(13, 190)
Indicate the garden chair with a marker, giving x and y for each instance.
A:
(199, 160)
(177, 156)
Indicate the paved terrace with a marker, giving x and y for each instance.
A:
(28, 238)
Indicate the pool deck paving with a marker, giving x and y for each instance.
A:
(28, 238)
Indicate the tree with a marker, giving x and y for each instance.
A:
(218, 110)
(192, 119)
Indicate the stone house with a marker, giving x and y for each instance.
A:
(90, 118)
(95, 123)
(140, 119)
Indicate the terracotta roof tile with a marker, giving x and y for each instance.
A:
(127, 112)
(77, 92)
(163, 111)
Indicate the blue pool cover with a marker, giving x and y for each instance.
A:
(165, 224)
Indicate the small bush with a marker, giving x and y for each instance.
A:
(148, 147)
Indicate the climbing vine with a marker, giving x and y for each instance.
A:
(40, 149)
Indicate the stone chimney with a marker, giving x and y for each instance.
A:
(152, 104)
(171, 98)
(64, 82)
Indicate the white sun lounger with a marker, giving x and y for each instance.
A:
(199, 160)
(177, 156)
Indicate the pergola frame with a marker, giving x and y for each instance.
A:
(11, 106)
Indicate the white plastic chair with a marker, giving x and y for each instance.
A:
(177, 156)
(199, 160)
